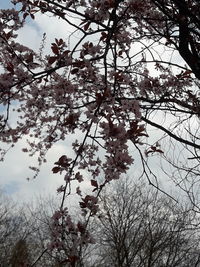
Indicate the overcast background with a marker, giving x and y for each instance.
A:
(14, 169)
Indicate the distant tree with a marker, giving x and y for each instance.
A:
(136, 226)
(20, 255)
(22, 234)
(44, 230)
(10, 228)
(140, 227)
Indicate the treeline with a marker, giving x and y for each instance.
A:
(136, 226)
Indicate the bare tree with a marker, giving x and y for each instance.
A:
(42, 219)
(136, 226)
(141, 227)
(20, 256)
(14, 231)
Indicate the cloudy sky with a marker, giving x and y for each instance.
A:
(14, 169)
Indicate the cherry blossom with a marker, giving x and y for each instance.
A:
(108, 88)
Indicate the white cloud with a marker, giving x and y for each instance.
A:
(32, 33)
(14, 169)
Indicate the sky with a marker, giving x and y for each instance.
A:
(14, 169)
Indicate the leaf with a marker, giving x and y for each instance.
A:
(95, 189)
(79, 177)
(55, 49)
(66, 52)
(63, 161)
(120, 53)
(90, 45)
(86, 26)
(94, 183)
(56, 169)
(25, 15)
(74, 71)
(32, 16)
(59, 42)
(82, 205)
(51, 60)
(103, 36)
(78, 191)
